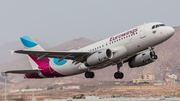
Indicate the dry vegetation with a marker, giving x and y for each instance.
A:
(103, 89)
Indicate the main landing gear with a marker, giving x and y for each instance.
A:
(89, 74)
(118, 74)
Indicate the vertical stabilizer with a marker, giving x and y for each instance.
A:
(30, 44)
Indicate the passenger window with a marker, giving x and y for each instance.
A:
(129, 35)
(126, 36)
(119, 39)
(99, 46)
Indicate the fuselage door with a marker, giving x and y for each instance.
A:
(142, 31)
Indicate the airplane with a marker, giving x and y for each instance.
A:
(134, 46)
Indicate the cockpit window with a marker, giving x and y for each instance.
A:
(158, 25)
(162, 25)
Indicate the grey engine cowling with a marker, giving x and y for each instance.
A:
(142, 59)
(99, 57)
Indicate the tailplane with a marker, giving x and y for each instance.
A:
(31, 45)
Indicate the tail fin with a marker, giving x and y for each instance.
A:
(30, 44)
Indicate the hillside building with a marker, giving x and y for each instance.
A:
(149, 76)
(145, 78)
(173, 76)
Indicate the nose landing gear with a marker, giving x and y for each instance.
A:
(153, 54)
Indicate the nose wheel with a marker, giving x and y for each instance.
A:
(89, 74)
(153, 54)
(118, 74)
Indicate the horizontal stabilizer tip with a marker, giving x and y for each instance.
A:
(12, 52)
(23, 71)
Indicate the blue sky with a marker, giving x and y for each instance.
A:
(58, 21)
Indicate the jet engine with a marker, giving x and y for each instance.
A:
(142, 59)
(99, 57)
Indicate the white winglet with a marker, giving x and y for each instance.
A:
(12, 52)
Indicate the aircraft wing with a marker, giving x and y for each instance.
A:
(77, 56)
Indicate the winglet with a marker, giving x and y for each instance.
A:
(12, 52)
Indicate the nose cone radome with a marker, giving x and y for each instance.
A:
(170, 31)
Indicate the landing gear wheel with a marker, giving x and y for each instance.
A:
(121, 75)
(118, 75)
(155, 56)
(89, 74)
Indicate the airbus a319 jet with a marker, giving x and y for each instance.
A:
(134, 47)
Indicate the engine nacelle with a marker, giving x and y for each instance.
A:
(99, 57)
(142, 59)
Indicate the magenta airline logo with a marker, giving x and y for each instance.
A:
(154, 32)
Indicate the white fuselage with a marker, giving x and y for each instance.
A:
(123, 45)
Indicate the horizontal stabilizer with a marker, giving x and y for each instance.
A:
(22, 71)
(12, 52)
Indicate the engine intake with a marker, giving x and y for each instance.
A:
(142, 59)
(99, 57)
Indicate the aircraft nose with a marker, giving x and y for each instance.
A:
(170, 31)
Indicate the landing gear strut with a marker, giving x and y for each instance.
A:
(153, 54)
(118, 74)
(89, 74)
